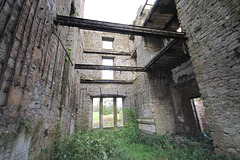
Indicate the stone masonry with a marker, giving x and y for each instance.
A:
(93, 43)
(43, 98)
(39, 95)
(213, 31)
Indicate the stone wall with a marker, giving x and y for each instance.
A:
(213, 31)
(39, 91)
(92, 44)
(152, 96)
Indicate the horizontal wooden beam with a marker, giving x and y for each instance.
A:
(116, 27)
(114, 68)
(108, 53)
(103, 81)
(108, 96)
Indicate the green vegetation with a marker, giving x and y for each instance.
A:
(130, 144)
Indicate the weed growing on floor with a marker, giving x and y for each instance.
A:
(131, 144)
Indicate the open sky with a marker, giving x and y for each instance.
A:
(118, 11)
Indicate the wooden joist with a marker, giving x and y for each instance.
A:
(108, 96)
(107, 53)
(106, 81)
(161, 53)
(116, 27)
(114, 68)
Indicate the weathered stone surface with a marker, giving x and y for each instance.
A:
(216, 67)
(36, 78)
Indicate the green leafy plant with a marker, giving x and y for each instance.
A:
(130, 132)
(130, 143)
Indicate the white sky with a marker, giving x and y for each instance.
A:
(118, 11)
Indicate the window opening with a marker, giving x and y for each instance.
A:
(95, 120)
(107, 74)
(119, 112)
(199, 113)
(107, 112)
(107, 43)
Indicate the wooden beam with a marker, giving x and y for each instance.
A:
(108, 96)
(114, 68)
(116, 27)
(108, 53)
(161, 53)
(151, 12)
(103, 81)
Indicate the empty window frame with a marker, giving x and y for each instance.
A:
(107, 74)
(107, 112)
(107, 43)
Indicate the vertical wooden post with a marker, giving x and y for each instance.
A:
(115, 111)
(101, 113)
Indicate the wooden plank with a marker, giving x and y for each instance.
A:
(106, 81)
(108, 53)
(116, 27)
(114, 68)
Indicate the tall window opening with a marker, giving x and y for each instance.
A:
(107, 112)
(96, 106)
(107, 43)
(107, 74)
(119, 112)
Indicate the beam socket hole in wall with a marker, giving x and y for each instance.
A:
(107, 43)
(72, 11)
(199, 113)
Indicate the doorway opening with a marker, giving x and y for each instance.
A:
(199, 113)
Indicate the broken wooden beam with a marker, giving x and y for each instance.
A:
(114, 68)
(106, 81)
(116, 27)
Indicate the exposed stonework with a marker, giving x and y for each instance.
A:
(93, 42)
(213, 31)
(42, 98)
(39, 91)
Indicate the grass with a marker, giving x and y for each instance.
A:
(113, 145)
(130, 144)
(107, 119)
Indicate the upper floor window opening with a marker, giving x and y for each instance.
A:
(107, 43)
(107, 74)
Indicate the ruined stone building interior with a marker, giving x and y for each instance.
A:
(182, 75)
